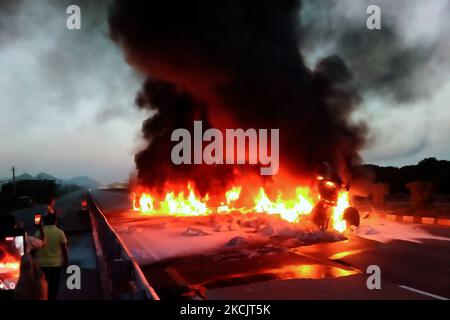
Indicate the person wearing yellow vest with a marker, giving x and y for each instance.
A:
(53, 255)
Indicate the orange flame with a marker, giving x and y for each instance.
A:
(337, 219)
(233, 194)
(172, 204)
(289, 209)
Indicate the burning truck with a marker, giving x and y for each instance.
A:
(237, 64)
(327, 206)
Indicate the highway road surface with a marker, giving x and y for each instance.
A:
(274, 270)
(80, 242)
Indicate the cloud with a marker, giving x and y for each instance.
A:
(66, 95)
(401, 71)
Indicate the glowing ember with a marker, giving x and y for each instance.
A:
(233, 194)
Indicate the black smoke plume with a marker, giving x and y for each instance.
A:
(234, 64)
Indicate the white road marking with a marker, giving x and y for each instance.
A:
(424, 293)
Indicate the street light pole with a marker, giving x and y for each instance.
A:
(14, 181)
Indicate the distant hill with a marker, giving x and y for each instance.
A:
(25, 176)
(430, 169)
(45, 176)
(81, 181)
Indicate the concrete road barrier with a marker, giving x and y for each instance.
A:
(122, 278)
(413, 219)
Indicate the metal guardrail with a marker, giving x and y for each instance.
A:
(122, 276)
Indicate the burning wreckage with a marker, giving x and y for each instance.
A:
(250, 75)
(326, 206)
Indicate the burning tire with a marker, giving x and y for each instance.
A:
(320, 215)
(351, 215)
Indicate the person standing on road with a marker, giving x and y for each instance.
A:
(53, 255)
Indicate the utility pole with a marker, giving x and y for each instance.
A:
(14, 181)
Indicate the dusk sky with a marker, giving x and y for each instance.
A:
(67, 96)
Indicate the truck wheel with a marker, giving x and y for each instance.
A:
(351, 215)
(320, 216)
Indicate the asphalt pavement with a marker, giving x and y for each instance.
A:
(321, 271)
(80, 244)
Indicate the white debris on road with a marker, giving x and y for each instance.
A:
(384, 230)
(205, 234)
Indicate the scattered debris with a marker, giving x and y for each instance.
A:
(237, 241)
(194, 232)
(220, 227)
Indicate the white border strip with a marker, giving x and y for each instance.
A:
(423, 293)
